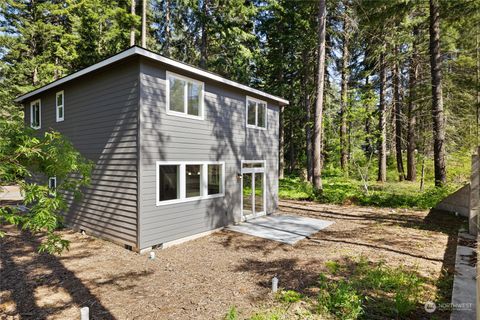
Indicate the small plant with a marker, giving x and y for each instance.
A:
(290, 296)
(332, 266)
(232, 314)
(268, 315)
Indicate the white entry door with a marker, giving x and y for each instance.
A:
(253, 189)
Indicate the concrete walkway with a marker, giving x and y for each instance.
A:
(464, 293)
(281, 228)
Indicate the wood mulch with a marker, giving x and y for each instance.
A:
(203, 278)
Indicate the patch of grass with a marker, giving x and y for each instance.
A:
(354, 289)
(332, 266)
(268, 315)
(341, 190)
(295, 189)
(339, 298)
(232, 314)
(289, 296)
(373, 290)
(398, 288)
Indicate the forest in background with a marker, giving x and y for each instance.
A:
(380, 91)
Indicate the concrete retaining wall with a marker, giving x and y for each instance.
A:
(458, 201)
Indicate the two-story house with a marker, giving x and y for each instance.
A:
(178, 151)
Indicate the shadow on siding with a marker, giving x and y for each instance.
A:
(108, 207)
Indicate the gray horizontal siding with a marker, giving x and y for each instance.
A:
(101, 117)
(222, 136)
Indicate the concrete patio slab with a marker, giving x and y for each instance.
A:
(281, 228)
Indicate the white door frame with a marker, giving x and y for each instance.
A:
(253, 171)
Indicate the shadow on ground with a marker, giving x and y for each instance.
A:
(30, 281)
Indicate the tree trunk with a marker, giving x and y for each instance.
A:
(437, 100)
(166, 48)
(397, 107)
(317, 148)
(204, 40)
(132, 28)
(369, 147)
(382, 124)
(292, 151)
(411, 114)
(144, 24)
(477, 49)
(308, 116)
(344, 98)
(281, 146)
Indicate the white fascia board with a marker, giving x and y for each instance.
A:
(206, 74)
(151, 55)
(122, 55)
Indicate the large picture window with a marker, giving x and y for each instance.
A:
(59, 106)
(188, 180)
(256, 113)
(184, 96)
(36, 114)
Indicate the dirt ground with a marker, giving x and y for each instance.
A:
(202, 279)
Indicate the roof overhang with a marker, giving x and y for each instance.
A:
(156, 57)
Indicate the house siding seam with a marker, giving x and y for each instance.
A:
(221, 136)
(101, 121)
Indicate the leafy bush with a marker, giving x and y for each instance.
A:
(27, 159)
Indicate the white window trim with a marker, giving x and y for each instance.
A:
(39, 114)
(254, 170)
(59, 119)
(54, 179)
(185, 102)
(204, 182)
(257, 101)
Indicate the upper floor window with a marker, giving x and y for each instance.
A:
(184, 96)
(59, 102)
(256, 113)
(36, 114)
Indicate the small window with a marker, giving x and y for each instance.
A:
(168, 184)
(36, 114)
(193, 180)
(60, 106)
(256, 113)
(184, 96)
(215, 179)
(52, 183)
